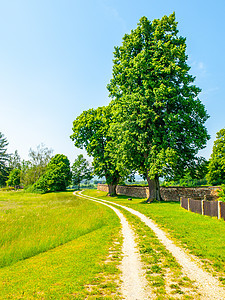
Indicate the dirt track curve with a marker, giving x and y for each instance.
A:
(134, 286)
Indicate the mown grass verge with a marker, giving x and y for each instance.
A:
(202, 235)
(55, 246)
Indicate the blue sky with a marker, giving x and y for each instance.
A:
(56, 60)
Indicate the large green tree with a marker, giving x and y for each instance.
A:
(81, 170)
(158, 122)
(91, 132)
(216, 167)
(4, 158)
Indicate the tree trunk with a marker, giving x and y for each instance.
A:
(154, 189)
(112, 190)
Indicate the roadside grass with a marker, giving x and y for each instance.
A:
(203, 236)
(65, 272)
(56, 246)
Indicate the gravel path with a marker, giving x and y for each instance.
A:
(134, 286)
(208, 286)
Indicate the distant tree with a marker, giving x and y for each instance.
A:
(198, 168)
(57, 176)
(35, 167)
(91, 132)
(81, 170)
(216, 168)
(158, 119)
(14, 161)
(4, 157)
(14, 178)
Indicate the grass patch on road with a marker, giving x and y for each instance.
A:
(164, 274)
(54, 246)
(202, 235)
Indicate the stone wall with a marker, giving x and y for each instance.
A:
(196, 193)
(168, 193)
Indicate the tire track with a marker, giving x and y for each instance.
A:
(134, 286)
(208, 286)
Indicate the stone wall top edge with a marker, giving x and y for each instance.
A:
(168, 187)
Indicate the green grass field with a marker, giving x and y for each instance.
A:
(202, 235)
(54, 246)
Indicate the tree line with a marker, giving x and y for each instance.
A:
(43, 172)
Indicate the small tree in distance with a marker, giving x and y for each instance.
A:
(81, 170)
(14, 161)
(216, 167)
(57, 176)
(35, 167)
(14, 178)
(4, 157)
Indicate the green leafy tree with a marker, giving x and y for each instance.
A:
(158, 119)
(216, 168)
(14, 178)
(57, 176)
(81, 170)
(91, 132)
(194, 174)
(4, 157)
(36, 166)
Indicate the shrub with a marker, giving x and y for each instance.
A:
(14, 178)
(57, 176)
(221, 193)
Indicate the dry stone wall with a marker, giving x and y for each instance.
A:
(168, 193)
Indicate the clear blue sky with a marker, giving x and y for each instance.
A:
(56, 60)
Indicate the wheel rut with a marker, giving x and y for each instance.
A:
(134, 283)
(208, 286)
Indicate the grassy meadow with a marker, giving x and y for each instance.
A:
(202, 235)
(54, 246)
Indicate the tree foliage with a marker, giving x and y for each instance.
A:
(81, 170)
(14, 178)
(158, 119)
(216, 168)
(35, 167)
(57, 176)
(4, 157)
(91, 132)
(14, 161)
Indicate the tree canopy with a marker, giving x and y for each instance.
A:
(14, 178)
(81, 170)
(216, 168)
(14, 161)
(57, 175)
(35, 167)
(91, 132)
(158, 120)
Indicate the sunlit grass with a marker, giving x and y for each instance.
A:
(30, 225)
(53, 246)
(202, 235)
(61, 273)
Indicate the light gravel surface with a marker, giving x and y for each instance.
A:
(208, 286)
(134, 283)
